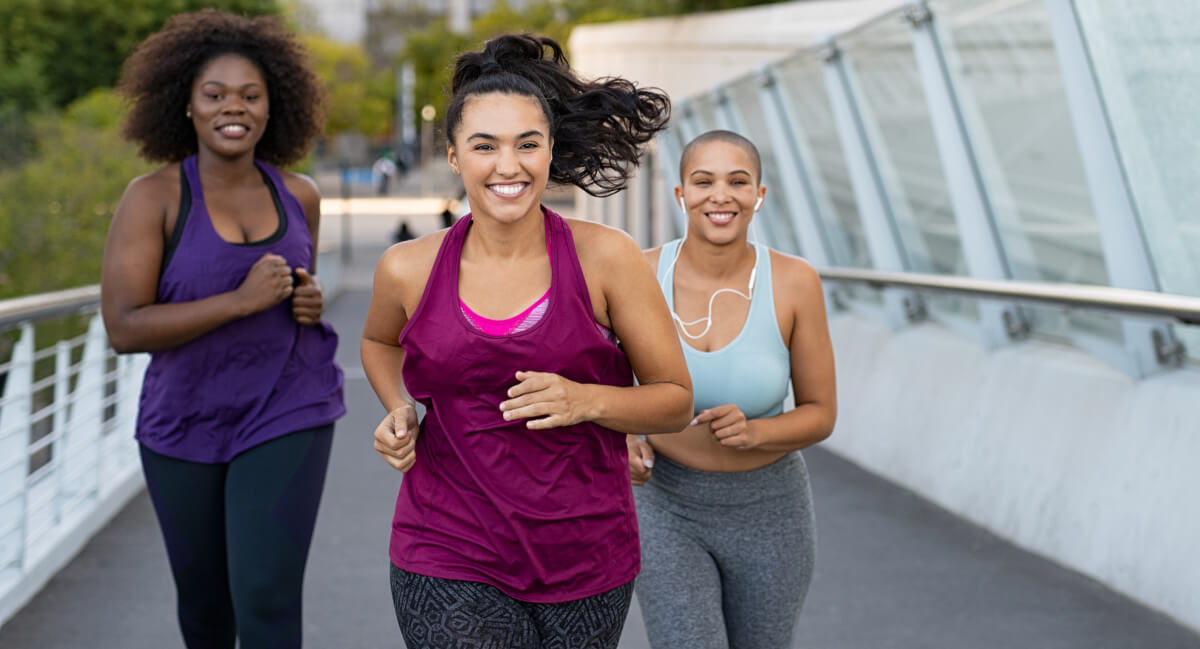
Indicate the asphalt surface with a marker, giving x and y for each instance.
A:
(893, 571)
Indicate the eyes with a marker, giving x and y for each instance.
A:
(705, 182)
(527, 145)
(249, 98)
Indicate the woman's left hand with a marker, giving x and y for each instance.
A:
(308, 300)
(545, 400)
(729, 426)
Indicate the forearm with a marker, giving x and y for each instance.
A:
(155, 327)
(382, 364)
(647, 409)
(795, 429)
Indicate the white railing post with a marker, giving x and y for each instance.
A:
(16, 407)
(62, 413)
(82, 458)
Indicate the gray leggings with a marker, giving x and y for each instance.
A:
(726, 557)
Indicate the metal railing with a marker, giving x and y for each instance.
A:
(67, 457)
(1181, 308)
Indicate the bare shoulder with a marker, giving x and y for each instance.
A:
(652, 256)
(301, 186)
(150, 197)
(158, 184)
(602, 244)
(412, 259)
(795, 275)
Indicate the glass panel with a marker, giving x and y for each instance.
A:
(774, 214)
(896, 115)
(806, 104)
(705, 111)
(1001, 56)
(1145, 54)
(906, 153)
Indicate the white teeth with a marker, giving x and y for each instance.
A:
(233, 128)
(507, 190)
(720, 217)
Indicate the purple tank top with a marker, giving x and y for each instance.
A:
(543, 515)
(252, 379)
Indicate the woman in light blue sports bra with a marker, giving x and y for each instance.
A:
(724, 506)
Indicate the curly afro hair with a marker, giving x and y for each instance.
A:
(157, 79)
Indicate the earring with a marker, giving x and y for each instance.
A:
(189, 114)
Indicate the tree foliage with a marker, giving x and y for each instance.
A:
(359, 97)
(78, 45)
(55, 208)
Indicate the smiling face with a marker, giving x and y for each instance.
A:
(229, 105)
(719, 191)
(502, 149)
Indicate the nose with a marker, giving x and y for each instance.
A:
(507, 163)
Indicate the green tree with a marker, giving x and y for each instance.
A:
(360, 98)
(55, 208)
(80, 44)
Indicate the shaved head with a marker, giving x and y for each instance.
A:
(728, 137)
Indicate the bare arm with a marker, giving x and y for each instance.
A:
(662, 402)
(399, 281)
(813, 380)
(133, 255)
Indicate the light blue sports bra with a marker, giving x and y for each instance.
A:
(754, 370)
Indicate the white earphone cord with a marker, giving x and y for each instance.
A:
(708, 318)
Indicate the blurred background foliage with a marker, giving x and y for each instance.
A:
(63, 164)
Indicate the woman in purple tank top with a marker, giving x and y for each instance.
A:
(210, 267)
(514, 527)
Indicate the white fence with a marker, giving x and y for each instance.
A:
(68, 461)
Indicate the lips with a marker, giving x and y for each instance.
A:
(720, 218)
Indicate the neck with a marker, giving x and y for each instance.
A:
(499, 240)
(221, 171)
(716, 262)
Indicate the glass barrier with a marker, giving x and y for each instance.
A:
(1145, 54)
(1002, 59)
(806, 104)
(774, 216)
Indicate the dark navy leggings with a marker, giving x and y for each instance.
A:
(237, 537)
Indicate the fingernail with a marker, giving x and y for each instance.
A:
(693, 421)
(648, 462)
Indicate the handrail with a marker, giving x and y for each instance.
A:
(47, 305)
(1185, 309)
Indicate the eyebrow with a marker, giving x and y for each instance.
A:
(218, 83)
(489, 136)
(735, 171)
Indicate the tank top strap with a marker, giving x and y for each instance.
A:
(441, 289)
(763, 321)
(564, 263)
(665, 272)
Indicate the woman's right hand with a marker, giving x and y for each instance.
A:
(396, 437)
(268, 283)
(641, 459)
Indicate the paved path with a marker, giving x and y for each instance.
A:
(892, 572)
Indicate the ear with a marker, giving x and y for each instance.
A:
(452, 158)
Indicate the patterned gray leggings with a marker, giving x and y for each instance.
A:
(447, 614)
(726, 557)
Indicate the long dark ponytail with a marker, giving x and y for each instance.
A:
(598, 126)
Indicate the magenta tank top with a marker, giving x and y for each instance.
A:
(543, 515)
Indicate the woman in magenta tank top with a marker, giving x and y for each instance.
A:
(210, 267)
(515, 527)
